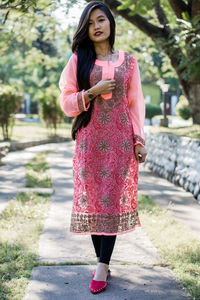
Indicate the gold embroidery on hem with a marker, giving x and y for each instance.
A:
(81, 223)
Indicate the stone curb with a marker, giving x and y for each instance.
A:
(15, 146)
(175, 158)
(49, 191)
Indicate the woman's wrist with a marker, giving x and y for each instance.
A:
(95, 91)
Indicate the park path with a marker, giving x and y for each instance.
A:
(13, 173)
(136, 266)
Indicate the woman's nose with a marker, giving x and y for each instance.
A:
(96, 25)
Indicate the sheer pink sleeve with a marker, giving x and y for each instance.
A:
(71, 100)
(136, 104)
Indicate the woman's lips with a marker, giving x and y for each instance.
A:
(98, 33)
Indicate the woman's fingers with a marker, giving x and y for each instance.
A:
(140, 153)
(141, 157)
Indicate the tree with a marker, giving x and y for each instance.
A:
(174, 26)
(51, 112)
(10, 101)
(31, 49)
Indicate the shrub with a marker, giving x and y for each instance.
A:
(152, 111)
(182, 108)
(10, 102)
(50, 110)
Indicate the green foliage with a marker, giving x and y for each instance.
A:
(152, 111)
(10, 101)
(190, 36)
(142, 6)
(182, 108)
(153, 62)
(33, 49)
(50, 109)
(153, 91)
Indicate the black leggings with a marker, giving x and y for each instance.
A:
(103, 245)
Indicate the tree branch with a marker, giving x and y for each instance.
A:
(8, 6)
(179, 6)
(162, 18)
(6, 17)
(149, 29)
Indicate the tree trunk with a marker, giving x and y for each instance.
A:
(193, 96)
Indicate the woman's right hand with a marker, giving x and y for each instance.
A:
(105, 86)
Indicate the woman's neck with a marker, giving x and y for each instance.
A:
(102, 49)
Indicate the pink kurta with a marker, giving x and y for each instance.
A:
(104, 164)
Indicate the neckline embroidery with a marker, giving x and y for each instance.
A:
(117, 63)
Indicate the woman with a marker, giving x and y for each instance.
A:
(101, 88)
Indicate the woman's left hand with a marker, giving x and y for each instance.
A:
(140, 153)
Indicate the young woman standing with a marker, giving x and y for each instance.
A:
(101, 88)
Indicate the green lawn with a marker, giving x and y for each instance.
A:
(37, 174)
(177, 244)
(26, 131)
(189, 131)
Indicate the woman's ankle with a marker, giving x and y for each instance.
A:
(103, 265)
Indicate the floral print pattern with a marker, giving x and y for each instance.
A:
(104, 163)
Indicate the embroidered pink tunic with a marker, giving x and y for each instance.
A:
(104, 164)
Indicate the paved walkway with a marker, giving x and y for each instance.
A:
(136, 265)
(12, 173)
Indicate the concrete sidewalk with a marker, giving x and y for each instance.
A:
(12, 172)
(136, 267)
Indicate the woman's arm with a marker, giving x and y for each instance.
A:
(136, 104)
(71, 100)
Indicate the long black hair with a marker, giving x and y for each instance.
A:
(86, 54)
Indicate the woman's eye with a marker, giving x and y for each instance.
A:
(101, 20)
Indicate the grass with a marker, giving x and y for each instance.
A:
(177, 245)
(26, 131)
(21, 224)
(192, 131)
(37, 171)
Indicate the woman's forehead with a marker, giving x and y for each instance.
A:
(97, 13)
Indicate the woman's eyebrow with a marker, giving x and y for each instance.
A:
(101, 16)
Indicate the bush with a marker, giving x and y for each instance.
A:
(182, 108)
(50, 110)
(10, 102)
(152, 111)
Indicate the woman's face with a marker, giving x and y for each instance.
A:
(99, 26)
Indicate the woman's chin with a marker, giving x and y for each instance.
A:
(100, 39)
